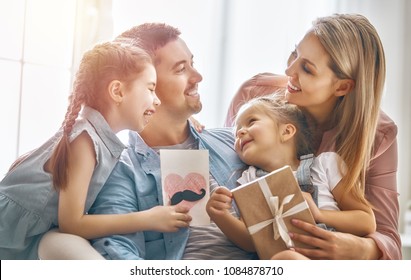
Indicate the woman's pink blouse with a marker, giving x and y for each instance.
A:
(381, 186)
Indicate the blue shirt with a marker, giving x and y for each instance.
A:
(28, 201)
(135, 185)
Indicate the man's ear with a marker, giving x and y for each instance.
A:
(287, 131)
(115, 92)
(344, 87)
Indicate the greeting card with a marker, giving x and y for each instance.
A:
(185, 181)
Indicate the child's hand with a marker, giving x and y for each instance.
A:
(169, 218)
(219, 203)
(197, 125)
(313, 207)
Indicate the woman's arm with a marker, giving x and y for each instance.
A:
(259, 85)
(381, 192)
(333, 245)
(72, 217)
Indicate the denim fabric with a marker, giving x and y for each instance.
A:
(135, 185)
(28, 201)
(304, 176)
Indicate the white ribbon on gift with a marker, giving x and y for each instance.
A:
(279, 226)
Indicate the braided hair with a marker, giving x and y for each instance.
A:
(120, 60)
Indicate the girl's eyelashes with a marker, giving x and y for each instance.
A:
(251, 121)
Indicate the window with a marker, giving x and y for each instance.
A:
(35, 64)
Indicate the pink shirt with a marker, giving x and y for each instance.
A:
(380, 184)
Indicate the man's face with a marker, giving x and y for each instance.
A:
(177, 81)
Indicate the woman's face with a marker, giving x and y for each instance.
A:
(312, 84)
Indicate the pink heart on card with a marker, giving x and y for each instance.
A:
(186, 192)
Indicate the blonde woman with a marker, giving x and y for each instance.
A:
(336, 75)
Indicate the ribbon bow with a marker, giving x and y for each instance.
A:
(279, 226)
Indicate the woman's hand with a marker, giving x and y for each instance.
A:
(333, 245)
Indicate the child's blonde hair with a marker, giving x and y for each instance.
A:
(277, 108)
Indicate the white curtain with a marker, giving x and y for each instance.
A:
(94, 24)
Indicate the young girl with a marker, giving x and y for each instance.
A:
(55, 185)
(271, 133)
(336, 76)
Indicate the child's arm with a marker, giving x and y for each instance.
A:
(218, 207)
(72, 217)
(354, 217)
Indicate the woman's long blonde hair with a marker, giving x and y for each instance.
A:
(356, 53)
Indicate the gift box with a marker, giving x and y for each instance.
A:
(267, 206)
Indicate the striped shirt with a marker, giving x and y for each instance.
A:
(210, 243)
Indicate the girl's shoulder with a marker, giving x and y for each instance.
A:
(327, 156)
(327, 160)
(82, 125)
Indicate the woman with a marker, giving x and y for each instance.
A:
(336, 76)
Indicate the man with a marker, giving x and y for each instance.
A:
(135, 184)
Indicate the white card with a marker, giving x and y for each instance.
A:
(185, 181)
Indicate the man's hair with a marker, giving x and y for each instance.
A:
(151, 36)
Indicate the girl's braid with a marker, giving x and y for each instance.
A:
(72, 114)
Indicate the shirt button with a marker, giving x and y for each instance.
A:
(106, 243)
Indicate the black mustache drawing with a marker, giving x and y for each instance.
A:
(187, 195)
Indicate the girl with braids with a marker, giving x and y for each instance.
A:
(336, 75)
(271, 133)
(55, 185)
